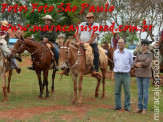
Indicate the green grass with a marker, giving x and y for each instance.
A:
(25, 89)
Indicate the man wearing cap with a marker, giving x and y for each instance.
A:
(86, 36)
(46, 36)
(13, 62)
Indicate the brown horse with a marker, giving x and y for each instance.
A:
(42, 60)
(110, 50)
(72, 56)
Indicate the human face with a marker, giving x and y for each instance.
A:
(47, 21)
(144, 47)
(90, 20)
(121, 44)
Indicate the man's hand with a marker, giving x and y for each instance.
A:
(45, 40)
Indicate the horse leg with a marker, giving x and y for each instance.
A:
(103, 81)
(80, 90)
(9, 80)
(53, 76)
(45, 73)
(98, 85)
(40, 82)
(75, 88)
(4, 87)
(112, 75)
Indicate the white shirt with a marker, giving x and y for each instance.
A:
(85, 35)
(122, 60)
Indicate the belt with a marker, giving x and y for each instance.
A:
(121, 72)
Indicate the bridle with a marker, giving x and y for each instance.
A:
(67, 59)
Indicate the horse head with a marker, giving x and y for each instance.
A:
(64, 54)
(19, 47)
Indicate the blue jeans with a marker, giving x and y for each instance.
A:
(143, 85)
(56, 51)
(122, 79)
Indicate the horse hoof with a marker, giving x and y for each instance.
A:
(40, 96)
(47, 96)
(96, 95)
(8, 91)
(52, 91)
(103, 96)
(79, 104)
(73, 102)
(5, 100)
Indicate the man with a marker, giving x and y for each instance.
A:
(114, 40)
(46, 36)
(123, 60)
(86, 36)
(13, 62)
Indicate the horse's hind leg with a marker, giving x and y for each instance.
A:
(80, 90)
(40, 82)
(98, 85)
(53, 77)
(9, 80)
(4, 86)
(103, 81)
(75, 88)
(45, 73)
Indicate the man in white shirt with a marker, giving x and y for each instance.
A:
(87, 36)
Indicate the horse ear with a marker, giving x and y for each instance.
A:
(21, 37)
(68, 42)
(16, 35)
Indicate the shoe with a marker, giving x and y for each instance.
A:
(31, 68)
(18, 70)
(94, 73)
(144, 111)
(117, 109)
(138, 110)
(127, 109)
(56, 68)
(19, 59)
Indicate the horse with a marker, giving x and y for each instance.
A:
(5, 70)
(72, 57)
(110, 51)
(43, 60)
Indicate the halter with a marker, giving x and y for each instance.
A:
(67, 61)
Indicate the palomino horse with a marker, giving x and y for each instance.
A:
(42, 60)
(5, 70)
(72, 56)
(110, 50)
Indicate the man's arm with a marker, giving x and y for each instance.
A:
(91, 40)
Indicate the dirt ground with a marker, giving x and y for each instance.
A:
(23, 113)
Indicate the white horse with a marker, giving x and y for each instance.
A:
(4, 63)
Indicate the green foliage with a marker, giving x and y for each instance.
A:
(106, 37)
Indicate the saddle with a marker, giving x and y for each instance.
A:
(51, 47)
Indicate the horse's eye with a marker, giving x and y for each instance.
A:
(66, 52)
(1, 43)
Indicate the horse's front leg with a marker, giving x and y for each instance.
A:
(9, 80)
(74, 77)
(53, 77)
(38, 72)
(80, 90)
(103, 81)
(45, 73)
(4, 87)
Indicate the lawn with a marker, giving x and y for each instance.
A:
(24, 105)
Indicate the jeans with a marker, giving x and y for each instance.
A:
(96, 56)
(143, 85)
(56, 51)
(122, 79)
